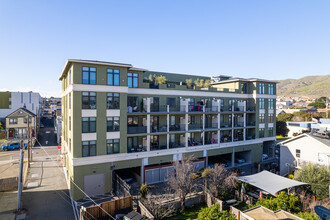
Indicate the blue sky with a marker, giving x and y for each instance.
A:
(272, 39)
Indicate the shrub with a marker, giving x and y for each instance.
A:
(143, 191)
(308, 215)
(214, 213)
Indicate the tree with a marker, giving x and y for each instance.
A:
(284, 117)
(181, 181)
(199, 82)
(317, 104)
(214, 213)
(281, 129)
(321, 99)
(159, 206)
(307, 215)
(1, 127)
(318, 177)
(189, 83)
(220, 180)
(160, 79)
(284, 201)
(207, 83)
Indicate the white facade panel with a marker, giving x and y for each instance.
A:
(88, 136)
(88, 113)
(113, 112)
(113, 135)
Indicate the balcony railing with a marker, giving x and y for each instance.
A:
(158, 108)
(239, 109)
(177, 145)
(192, 142)
(158, 147)
(135, 149)
(225, 139)
(137, 130)
(162, 128)
(212, 109)
(177, 108)
(177, 127)
(239, 138)
(240, 124)
(195, 108)
(250, 137)
(211, 141)
(195, 126)
(251, 109)
(251, 124)
(211, 125)
(225, 125)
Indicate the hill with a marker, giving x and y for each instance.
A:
(309, 86)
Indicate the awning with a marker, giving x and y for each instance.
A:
(270, 182)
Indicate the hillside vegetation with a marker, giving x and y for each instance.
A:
(309, 86)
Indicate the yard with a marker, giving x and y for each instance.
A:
(190, 213)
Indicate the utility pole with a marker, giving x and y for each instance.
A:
(20, 177)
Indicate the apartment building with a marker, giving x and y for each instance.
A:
(11, 101)
(125, 122)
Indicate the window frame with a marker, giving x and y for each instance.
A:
(261, 103)
(91, 123)
(298, 153)
(115, 99)
(261, 88)
(131, 77)
(89, 145)
(270, 118)
(83, 106)
(270, 103)
(271, 89)
(110, 145)
(89, 71)
(261, 118)
(112, 127)
(261, 131)
(111, 74)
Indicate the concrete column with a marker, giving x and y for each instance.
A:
(186, 121)
(244, 130)
(186, 138)
(168, 141)
(233, 157)
(148, 123)
(168, 122)
(232, 125)
(142, 171)
(148, 105)
(148, 142)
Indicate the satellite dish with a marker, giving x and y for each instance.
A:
(323, 212)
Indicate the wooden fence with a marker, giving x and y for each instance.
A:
(110, 207)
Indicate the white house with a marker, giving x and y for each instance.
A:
(302, 149)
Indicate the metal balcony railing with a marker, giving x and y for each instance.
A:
(177, 127)
(137, 130)
(195, 126)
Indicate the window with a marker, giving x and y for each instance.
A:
(244, 88)
(21, 97)
(113, 146)
(70, 77)
(261, 118)
(88, 148)
(112, 100)
(271, 118)
(170, 102)
(261, 88)
(89, 75)
(261, 132)
(133, 80)
(270, 132)
(261, 103)
(112, 124)
(69, 123)
(70, 144)
(25, 120)
(30, 97)
(271, 89)
(88, 125)
(69, 100)
(88, 100)
(191, 119)
(270, 103)
(13, 121)
(112, 77)
(298, 153)
(132, 104)
(32, 106)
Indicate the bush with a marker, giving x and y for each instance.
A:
(284, 201)
(308, 215)
(143, 191)
(214, 213)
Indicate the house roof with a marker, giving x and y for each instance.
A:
(315, 135)
(14, 113)
(237, 79)
(270, 182)
(260, 213)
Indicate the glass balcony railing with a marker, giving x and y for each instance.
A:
(211, 125)
(225, 139)
(211, 141)
(177, 145)
(212, 109)
(239, 124)
(195, 108)
(193, 142)
(137, 130)
(135, 149)
(162, 128)
(195, 126)
(154, 147)
(177, 127)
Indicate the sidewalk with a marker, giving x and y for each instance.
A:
(46, 194)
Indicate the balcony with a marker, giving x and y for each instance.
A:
(158, 108)
(225, 125)
(136, 129)
(195, 126)
(251, 124)
(211, 126)
(136, 149)
(177, 108)
(177, 144)
(177, 127)
(251, 109)
(239, 109)
(225, 139)
(212, 109)
(239, 124)
(195, 108)
(154, 147)
(210, 141)
(193, 142)
(162, 128)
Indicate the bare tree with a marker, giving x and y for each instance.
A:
(160, 206)
(181, 181)
(220, 179)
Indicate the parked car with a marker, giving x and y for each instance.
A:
(13, 146)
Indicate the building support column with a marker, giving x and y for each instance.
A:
(233, 157)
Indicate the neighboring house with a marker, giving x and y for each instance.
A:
(19, 123)
(119, 123)
(262, 213)
(305, 148)
(298, 127)
(11, 101)
(58, 125)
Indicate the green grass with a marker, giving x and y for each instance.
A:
(242, 206)
(189, 213)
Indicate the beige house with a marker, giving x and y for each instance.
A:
(18, 122)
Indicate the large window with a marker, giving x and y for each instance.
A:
(261, 118)
(261, 88)
(270, 103)
(13, 121)
(270, 118)
(298, 153)
(271, 89)
(261, 132)
(133, 80)
(270, 132)
(88, 125)
(112, 100)
(113, 146)
(261, 103)
(132, 121)
(89, 75)
(88, 148)
(112, 124)
(113, 77)
(25, 120)
(132, 104)
(88, 100)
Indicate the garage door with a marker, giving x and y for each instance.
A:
(94, 184)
